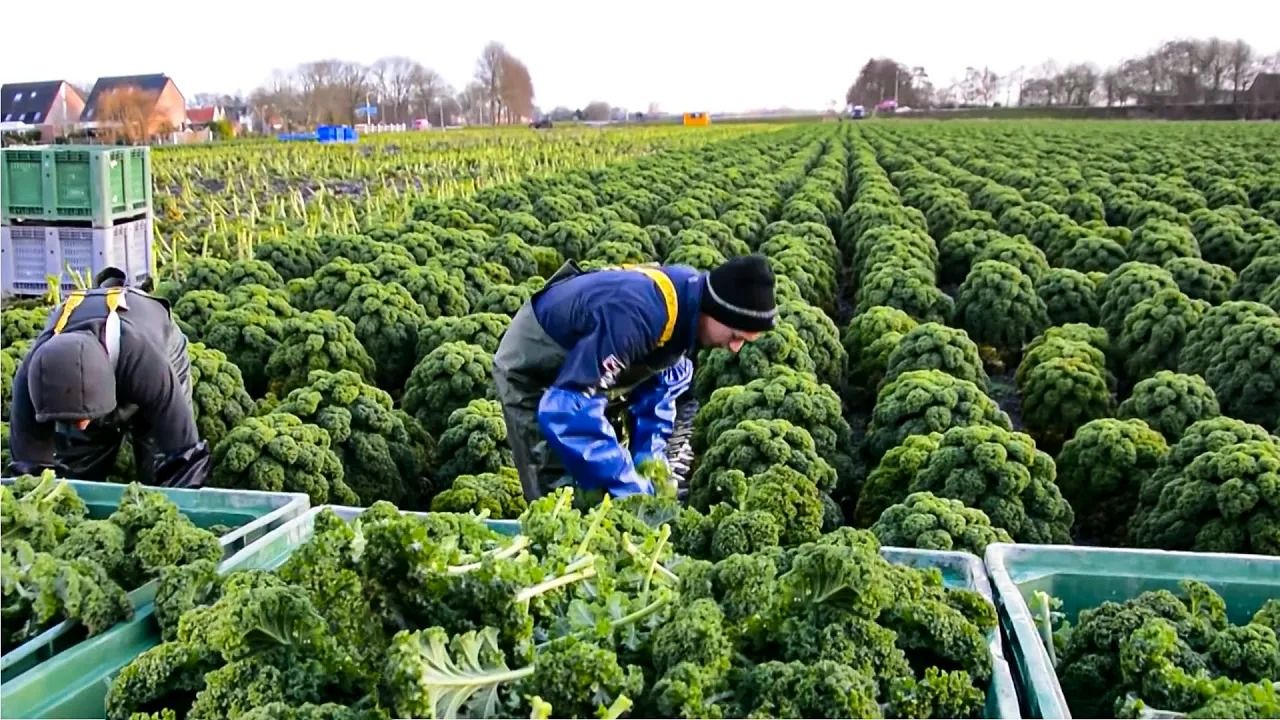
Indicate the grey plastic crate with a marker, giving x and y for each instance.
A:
(31, 253)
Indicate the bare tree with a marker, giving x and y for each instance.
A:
(1076, 85)
(315, 80)
(516, 89)
(395, 79)
(488, 75)
(1214, 62)
(282, 98)
(1239, 68)
(127, 114)
(351, 88)
(445, 109)
(428, 91)
(1184, 71)
(1042, 86)
(1112, 88)
(979, 86)
(473, 102)
(1268, 64)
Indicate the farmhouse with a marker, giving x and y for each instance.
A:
(241, 117)
(1265, 89)
(46, 107)
(135, 106)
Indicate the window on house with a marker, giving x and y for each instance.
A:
(37, 117)
(17, 97)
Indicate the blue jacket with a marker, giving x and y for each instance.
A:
(611, 323)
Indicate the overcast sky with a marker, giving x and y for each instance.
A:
(681, 54)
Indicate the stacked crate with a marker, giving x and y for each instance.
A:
(71, 210)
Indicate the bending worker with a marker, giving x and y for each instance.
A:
(110, 360)
(587, 340)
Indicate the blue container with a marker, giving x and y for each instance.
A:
(335, 134)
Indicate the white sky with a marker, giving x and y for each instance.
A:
(682, 54)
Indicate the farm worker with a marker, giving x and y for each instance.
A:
(110, 360)
(588, 343)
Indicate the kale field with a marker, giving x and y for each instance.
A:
(1032, 332)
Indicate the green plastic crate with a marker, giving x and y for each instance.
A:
(252, 514)
(97, 184)
(965, 570)
(1085, 577)
(75, 684)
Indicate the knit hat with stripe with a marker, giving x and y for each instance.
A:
(740, 294)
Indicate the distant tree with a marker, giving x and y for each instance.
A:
(222, 129)
(1074, 85)
(473, 102)
(1077, 84)
(332, 89)
(980, 87)
(280, 98)
(596, 111)
(515, 89)
(396, 79)
(428, 90)
(1183, 71)
(503, 83)
(126, 115)
(351, 86)
(878, 79)
(1240, 61)
(1270, 63)
(488, 75)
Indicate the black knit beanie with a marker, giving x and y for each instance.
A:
(739, 294)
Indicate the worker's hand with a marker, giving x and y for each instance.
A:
(657, 469)
(631, 483)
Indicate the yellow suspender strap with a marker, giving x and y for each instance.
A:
(68, 307)
(668, 291)
(114, 299)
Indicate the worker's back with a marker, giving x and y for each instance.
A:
(623, 303)
(143, 319)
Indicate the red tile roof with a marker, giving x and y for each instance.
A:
(200, 115)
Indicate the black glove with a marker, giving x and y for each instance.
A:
(17, 469)
(187, 469)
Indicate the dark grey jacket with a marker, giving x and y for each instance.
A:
(67, 376)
